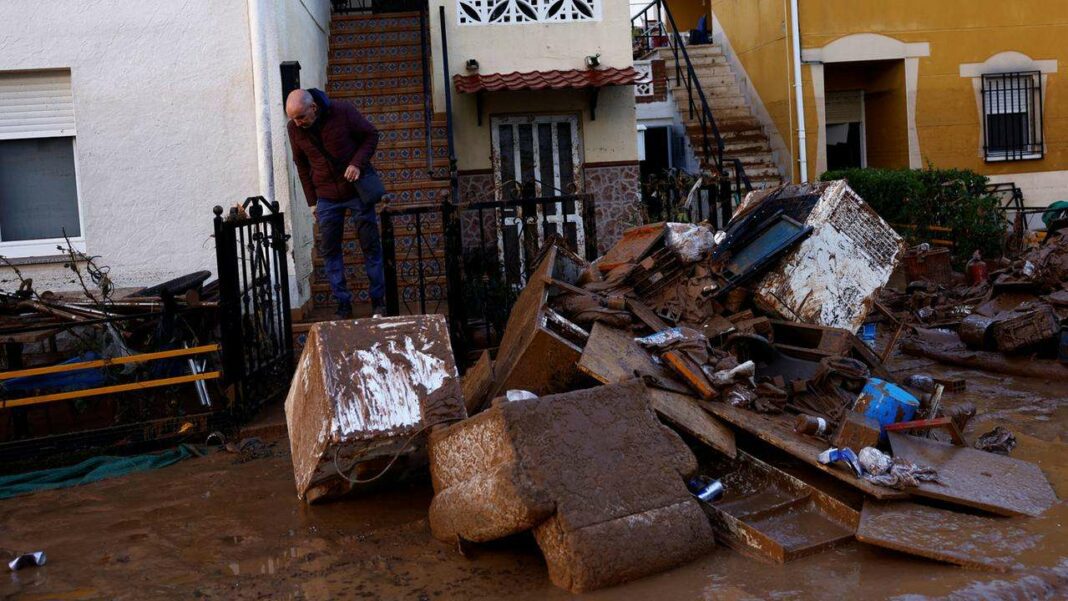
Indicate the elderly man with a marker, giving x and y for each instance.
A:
(332, 147)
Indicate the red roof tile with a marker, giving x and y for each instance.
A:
(546, 80)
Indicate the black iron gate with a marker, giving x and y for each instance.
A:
(254, 310)
(470, 262)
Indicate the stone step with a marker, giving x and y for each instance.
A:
(714, 101)
(698, 61)
(667, 54)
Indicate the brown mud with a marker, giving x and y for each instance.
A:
(217, 528)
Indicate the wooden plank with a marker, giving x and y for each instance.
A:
(978, 479)
(612, 356)
(77, 394)
(477, 384)
(140, 358)
(683, 412)
(777, 430)
(682, 363)
(929, 424)
(969, 540)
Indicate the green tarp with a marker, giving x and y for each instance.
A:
(91, 470)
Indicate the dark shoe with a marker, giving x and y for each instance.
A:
(378, 310)
(343, 311)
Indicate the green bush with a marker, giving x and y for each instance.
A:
(952, 198)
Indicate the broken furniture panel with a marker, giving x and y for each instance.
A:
(636, 244)
(612, 356)
(600, 479)
(832, 276)
(540, 347)
(812, 342)
(361, 389)
(973, 478)
(769, 513)
(974, 541)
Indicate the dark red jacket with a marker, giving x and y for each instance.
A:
(345, 135)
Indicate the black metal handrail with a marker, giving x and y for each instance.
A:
(448, 99)
(428, 101)
(712, 144)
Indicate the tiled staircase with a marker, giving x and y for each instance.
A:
(742, 134)
(376, 63)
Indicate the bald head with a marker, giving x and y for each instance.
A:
(301, 108)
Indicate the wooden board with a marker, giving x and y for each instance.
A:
(978, 479)
(974, 541)
(612, 356)
(777, 430)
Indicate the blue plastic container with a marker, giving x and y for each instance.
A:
(886, 403)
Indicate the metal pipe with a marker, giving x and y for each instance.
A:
(799, 93)
(262, 34)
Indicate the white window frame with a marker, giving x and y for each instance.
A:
(46, 247)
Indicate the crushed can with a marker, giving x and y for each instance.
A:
(706, 489)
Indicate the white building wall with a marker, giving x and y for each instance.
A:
(167, 124)
(162, 102)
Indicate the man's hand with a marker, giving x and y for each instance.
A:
(352, 173)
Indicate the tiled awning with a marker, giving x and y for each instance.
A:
(572, 79)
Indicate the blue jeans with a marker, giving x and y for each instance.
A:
(330, 215)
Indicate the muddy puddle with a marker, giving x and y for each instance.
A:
(214, 528)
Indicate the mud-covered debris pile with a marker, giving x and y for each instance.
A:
(741, 344)
(1002, 315)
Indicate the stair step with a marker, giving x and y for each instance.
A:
(365, 39)
(385, 99)
(373, 22)
(351, 87)
(376, 54)
(714, 101)
(698, 61)
(404, 68)
(379, 108)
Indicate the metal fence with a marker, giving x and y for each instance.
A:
(254, 309)
(470, 262)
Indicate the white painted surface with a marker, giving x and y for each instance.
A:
(165, 129)
(1040, 188)
(166, 120)
(832, 277)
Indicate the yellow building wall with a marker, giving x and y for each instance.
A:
(687, 12)
(947, 112)
(758, 35)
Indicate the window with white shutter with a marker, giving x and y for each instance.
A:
(38, 175)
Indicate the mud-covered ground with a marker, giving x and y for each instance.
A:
(219, 527)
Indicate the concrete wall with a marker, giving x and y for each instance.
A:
(538, 47)
(755, 35)
(162, 107)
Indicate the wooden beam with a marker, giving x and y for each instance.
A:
(77, 394)
(65, 367)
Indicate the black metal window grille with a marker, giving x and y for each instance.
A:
(1012, 116)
